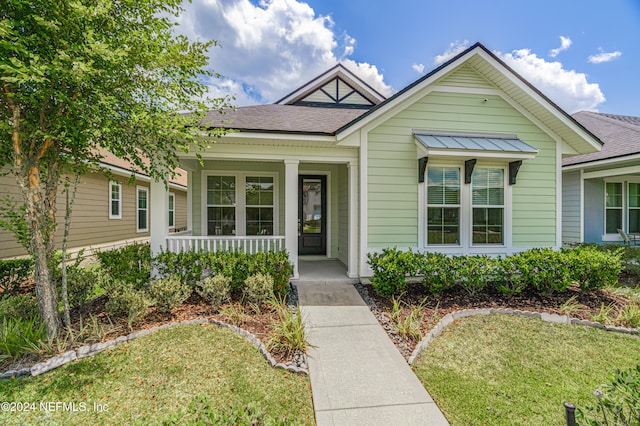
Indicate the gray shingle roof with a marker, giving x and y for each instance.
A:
(619, 133)
(283, 119)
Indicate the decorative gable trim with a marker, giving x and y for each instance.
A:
(335, 75)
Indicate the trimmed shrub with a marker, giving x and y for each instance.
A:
(390, 269)
(169, 292)
(21, 306)
(440, 272)
(593, 268)
(258, 289)
(547, 271)
(82, 283)
(511, 275)
(125, 299)
(474, 272)
(13, 273)
(188, 265)
(215, 290)
(131, 263)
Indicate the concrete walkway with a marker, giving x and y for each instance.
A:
(358, 377)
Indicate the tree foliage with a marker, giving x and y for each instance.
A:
(80, 76)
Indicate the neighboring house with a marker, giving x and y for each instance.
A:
(601, 191)
(467, 159)
(106, 213)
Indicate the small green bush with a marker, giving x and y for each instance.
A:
(21, 306)
(125, 299)
(169, 292)
(593, 268)
(475, 272)
(618, 402)
(188, 265)
(82, 283)
(440, 272)
(390, 269)
(215, 289)
(20, 337)
(258, 289)
(511, 275)
(13, 273)
(548, 271)
(131, 263)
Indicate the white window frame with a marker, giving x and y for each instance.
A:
(444, 206)
(241, 205)
(113, 184)
(625, 181)
(172, 197)
(140, 189)
(466, 213)
(490, 206)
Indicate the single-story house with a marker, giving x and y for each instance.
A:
(601, 190)
(106, 213)
(467, 159)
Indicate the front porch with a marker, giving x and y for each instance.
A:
(303, 207)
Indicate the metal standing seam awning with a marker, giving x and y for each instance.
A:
(472, 146)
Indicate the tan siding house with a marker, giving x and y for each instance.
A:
(92, 225)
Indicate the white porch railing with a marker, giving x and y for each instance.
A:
(248, 244)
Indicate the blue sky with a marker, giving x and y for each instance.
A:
(583, 55)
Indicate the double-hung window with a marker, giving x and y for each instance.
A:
(221, 205)
(634, 207)
(614, 207)
(443, 205)
(172, 210)
(115, 200)
(259, 205)
(465, 215)
(142, 219)
(241, 204)
(487, 199)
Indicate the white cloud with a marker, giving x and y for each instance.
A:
(604, 57)
(565, 43)
(271, 48)
(453, 49)
(419, 68)
(567, 88)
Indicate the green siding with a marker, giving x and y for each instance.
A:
(392, 165)
(465, 76)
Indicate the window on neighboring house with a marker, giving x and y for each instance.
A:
(634, 208)
(172, 210)
(443, 205)
(142, 209)
(115, 200)
(221, 205)
(487, 189)
(614, 207)
(259, 205)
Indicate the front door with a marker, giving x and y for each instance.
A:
(312, 214)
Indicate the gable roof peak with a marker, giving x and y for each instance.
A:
(366, 95)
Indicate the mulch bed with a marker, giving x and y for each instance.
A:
(259, 324)
(437, 306)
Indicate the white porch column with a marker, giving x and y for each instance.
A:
(291, 212)
(159, 216)
(189, 200)
(354, 237)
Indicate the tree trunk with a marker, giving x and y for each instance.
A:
(65, 240)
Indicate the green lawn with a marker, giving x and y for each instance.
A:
(506, 370)
(155, 376)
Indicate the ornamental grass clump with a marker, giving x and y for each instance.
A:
(168, 293)
(215, 289)
(258, 289)
(288, 333)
